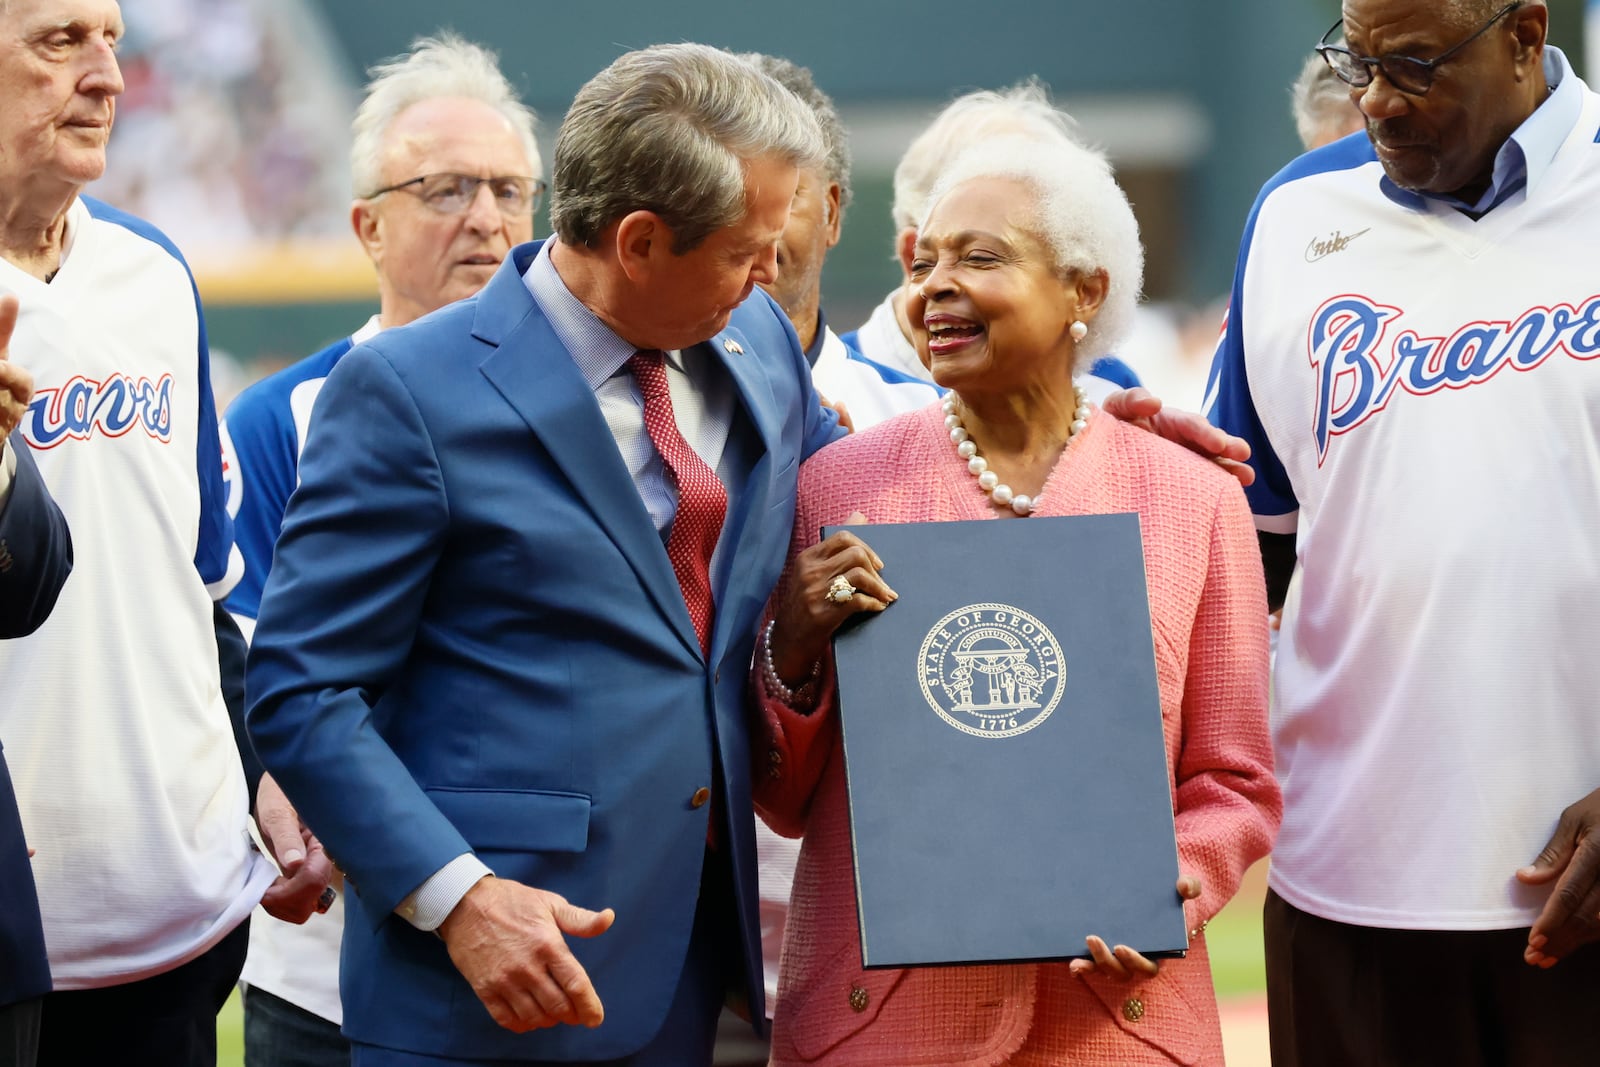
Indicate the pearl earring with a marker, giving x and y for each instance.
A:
(1079, 330)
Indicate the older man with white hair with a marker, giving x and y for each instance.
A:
(128, 776)
(447, 178)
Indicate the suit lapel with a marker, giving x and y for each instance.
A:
(737, 356)
(536, 375)
(753, 438)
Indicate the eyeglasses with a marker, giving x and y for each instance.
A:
(1409, 75)
(451, 194)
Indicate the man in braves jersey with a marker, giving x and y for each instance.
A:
(1411, 351)
(128, 775)
(447, 177)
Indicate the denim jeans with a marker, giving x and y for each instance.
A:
(279, 1034)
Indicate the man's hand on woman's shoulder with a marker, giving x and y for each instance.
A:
(1143, 408)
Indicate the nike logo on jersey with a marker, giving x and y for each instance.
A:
(82, 408)
(1358, 372)
(1323, 247)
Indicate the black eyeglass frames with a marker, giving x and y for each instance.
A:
(451, 194)
(1406, 73)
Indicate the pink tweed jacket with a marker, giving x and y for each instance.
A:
(1208, 607)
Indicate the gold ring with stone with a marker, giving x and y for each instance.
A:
(840, 590)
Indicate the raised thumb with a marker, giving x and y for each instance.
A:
(581, 922)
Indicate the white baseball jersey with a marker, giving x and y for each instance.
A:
(127, 773)
(1422, 393)
(870, 392)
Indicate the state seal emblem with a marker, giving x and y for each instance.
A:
(991, 670)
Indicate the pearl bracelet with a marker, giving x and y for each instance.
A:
(796, 697)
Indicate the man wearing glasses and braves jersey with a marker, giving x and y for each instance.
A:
(1410, 352)
(444, 159)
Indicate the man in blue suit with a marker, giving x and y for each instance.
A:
(35, 559)
(500, 660)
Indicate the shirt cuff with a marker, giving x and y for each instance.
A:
(433, 901)
(8, 470)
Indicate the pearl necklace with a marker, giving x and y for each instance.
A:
(988, 481)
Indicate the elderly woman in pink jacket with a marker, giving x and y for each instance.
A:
(1027, 268)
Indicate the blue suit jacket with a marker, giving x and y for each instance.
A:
(35, 559)
(472, 639)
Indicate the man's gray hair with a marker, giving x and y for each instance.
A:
(798, 80)
(1320, 102)
(1023, 109)
(1078, 211)
(670, 129)
(441, 66)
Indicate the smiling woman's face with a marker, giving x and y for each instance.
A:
(989, 311)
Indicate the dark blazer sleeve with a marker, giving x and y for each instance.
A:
(339, 616)
(35, 549)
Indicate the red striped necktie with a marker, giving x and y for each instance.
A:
(702, 500)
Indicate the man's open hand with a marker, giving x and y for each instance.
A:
(507, 940)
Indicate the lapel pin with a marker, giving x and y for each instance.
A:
(734, 347)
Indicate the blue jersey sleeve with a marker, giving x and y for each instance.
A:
(215, 557)
(1229, 403)
(259, 451)
(1229, 406)
(261, 462)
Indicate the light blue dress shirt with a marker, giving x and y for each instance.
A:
(702, 392)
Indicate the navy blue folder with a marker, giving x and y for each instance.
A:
(1003, 746)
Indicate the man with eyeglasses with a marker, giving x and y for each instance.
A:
(446, 172)
(1411, 353)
